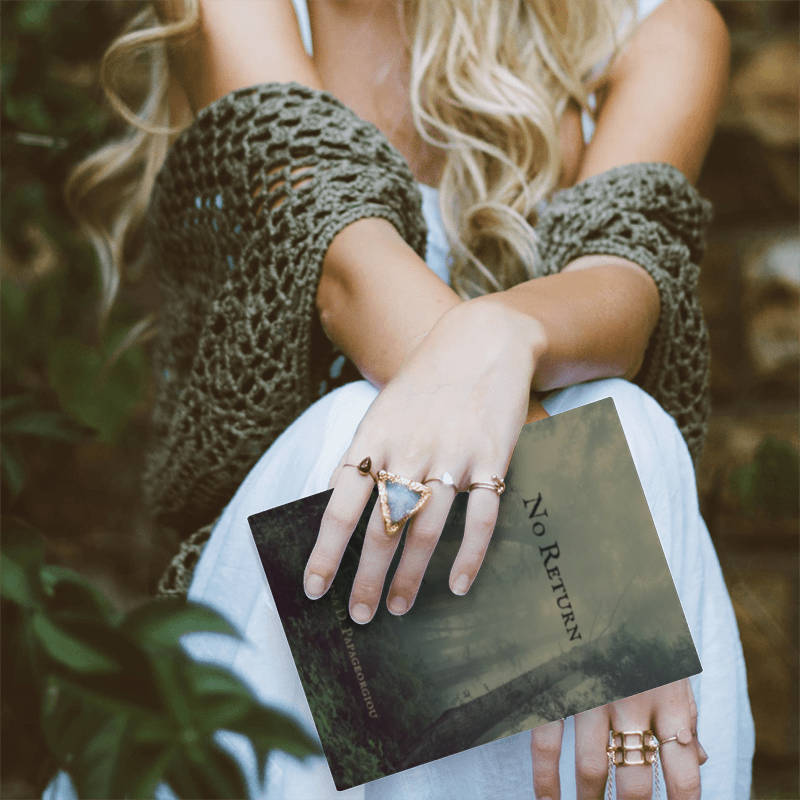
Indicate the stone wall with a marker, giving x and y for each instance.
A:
(748, 478)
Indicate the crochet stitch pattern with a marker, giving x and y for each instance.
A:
(241, 216)
(242, 213)
(651, 215)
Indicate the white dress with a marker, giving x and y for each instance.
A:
(229, 577)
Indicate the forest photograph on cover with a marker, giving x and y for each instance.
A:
(574, 607)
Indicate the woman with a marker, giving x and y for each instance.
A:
(485, 104)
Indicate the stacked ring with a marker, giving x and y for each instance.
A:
(628, 748)
(401, 498)
(496, 485)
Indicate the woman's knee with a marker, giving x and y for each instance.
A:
(653, 437)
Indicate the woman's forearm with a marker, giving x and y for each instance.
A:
(594, 320)
(377, 299)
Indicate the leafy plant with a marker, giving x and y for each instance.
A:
(52, 115)
(19, 417)
(771, 481)
(121, 706)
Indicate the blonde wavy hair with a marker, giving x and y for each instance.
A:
(489, 83)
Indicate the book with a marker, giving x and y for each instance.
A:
(574, 607)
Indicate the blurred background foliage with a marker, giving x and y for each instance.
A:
(74, 427)
(113, 698)
(52, 116)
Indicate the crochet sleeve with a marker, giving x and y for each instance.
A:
(651, 215)
(241, 216)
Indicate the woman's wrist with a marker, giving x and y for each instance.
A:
(502, 326)
(586, 323)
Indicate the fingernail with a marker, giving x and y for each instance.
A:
(398, 605)
(461, 585)
(361, 613)
(314, 586)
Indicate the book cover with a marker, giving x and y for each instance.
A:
(574, 607)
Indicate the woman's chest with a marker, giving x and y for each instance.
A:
(363, 58)
(360, 55)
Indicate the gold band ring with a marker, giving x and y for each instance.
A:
(497, 485)
(683, 736)
(365, 468)
(446, 479)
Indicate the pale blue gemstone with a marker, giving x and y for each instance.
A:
(400, 500)
(336, 367)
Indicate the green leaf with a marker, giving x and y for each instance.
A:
(213, 773)
(18, 584)
(34, 16)
(12, 470)
(140, 770)
(269, 729)
(209, 679)
(161, 623)
(68, 590)
(22, 551)
(743, 484)
(101, 401)
(9, 405)
(132, 687)
(66, 649)
(771, 482)
(132, 691)
(213, 713)
(22, 542)
(68, 721)
(153, 729)
(93, 768)
(100, 750)
(46, 424)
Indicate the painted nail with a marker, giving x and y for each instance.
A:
(361, 613)
(461, 585)
(314, 586)
(398, 605)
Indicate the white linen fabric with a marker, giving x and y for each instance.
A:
(229, 578)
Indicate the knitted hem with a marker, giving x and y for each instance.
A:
(178, 575)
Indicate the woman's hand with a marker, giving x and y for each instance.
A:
(665, 711)
(456, 406)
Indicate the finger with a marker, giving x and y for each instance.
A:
(376, 556)
(701, 753)
(591, 754)
(423, 533)
(338, 522)
(680, 762)
(634, 781)
(482, 509)
(545, 753)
